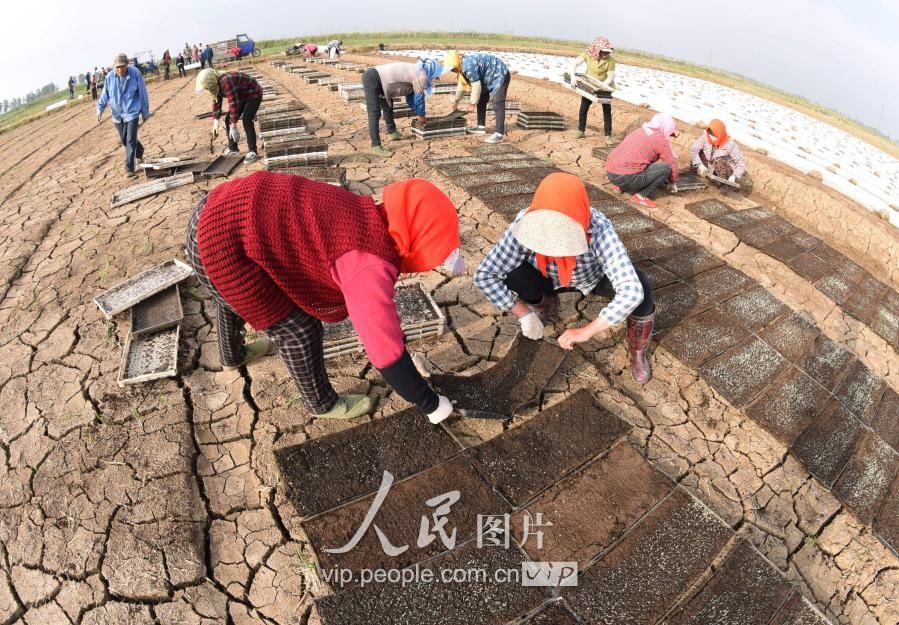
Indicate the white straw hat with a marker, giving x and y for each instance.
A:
(550, 233)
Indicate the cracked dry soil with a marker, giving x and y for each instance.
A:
(162, 503)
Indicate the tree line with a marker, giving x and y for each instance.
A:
(14, 103)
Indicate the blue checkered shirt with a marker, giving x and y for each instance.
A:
(606, 255)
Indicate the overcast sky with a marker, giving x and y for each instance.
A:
(841, 54)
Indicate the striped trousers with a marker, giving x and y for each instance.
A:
(298, 336)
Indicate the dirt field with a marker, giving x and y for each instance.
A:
(162, 503)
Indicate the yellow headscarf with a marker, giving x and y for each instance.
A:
(452, 62)
(208, 80)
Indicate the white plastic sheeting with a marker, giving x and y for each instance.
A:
(847, 164)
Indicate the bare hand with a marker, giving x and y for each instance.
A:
(422, 119)
(471, 108)
(575, 335)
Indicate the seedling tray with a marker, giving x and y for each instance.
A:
(157, 312)
(133, 290)
(150, 356)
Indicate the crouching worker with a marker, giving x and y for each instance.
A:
(645, 160)
(716, 153)
(244, 96)
(562, 244)
(284, 253)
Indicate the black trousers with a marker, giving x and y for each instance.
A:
(376, 103)
(247, 111)
(499, 105)
(606, 116)
(646, 182)
(531, 285)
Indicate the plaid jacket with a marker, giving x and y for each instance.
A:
(606, 255)
(238, 88)
(638, 151)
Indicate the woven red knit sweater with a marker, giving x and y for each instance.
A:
(268, 242)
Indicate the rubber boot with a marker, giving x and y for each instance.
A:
(261, 347)
(347, 407)
(639, 332)
(548, 307)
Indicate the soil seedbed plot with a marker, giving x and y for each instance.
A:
(703, 337)
(741, 373)
(788, 406)
(513, 383)
(157, 312)
(798, 611)
(861, 391)
(677, 302)
(690, 262)
(866, 479)
(149, 356)
(827, 443)
(886, 527)
(792, 335)
(553, 614)
(509, 205)
(399, 517)
(655, 244)
(477, 599)
(746, 589)
(333, 470)
(503, 189)
(477, 180)
(886, 420)
(721, 283)
(154, 187)
(638, 581)
(709, 209)
(658, 277)
(126, 294)
(420, 317)
(533, 456)
(608, 484)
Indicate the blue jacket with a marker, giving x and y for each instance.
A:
(127, 97)
(486, 68)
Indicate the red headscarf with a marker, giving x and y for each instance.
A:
(563, 193)
(422, 222)
(720, 132)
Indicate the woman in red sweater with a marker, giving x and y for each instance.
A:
(284, 253)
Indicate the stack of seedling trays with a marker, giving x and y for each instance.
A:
(312, 79)
(277, 63)
(170, 165)
(400, 108)
(689, 181)
(302, 71)
(443, 87)
(333, 174)
(590, 88)
(146, 189)
(350, 91)
(153, 299)
(420, 318)
(513, 107)
(540, 120)
(286, 120)
(331, 82)
(353, 67)
(295, 154)
(281, 107)
(434, 127)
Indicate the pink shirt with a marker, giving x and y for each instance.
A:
(367, 283)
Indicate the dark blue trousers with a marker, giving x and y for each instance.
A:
(133, 147)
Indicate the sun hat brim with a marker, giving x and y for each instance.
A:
(550, 233)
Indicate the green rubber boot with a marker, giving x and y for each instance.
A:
(580, 134)
(395, 135)
(261, 347)
(347, 407)
(380, 150)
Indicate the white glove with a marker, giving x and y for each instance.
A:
(732, 178)
(702, 170)
(444, 409)
(234, 133)
(215, 127)
(99, 115)
(422, 364)
(672, 187)
(531, 326)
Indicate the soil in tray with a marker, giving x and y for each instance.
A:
(412, 305)
(514, 382)
(157, 312)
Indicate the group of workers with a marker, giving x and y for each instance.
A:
(285, 253)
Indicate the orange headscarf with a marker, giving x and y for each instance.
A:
(720, 132)
(563, 193)
(422, 222)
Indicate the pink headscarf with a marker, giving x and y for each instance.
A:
(598, 45)
(663, 123)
